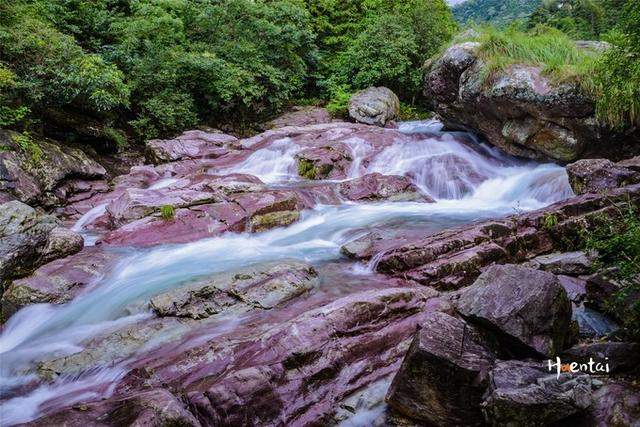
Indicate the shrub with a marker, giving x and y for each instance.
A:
(338, 105)
(618, 244)
(167, 212)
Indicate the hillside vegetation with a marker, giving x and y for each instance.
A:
(497, 12)
(150, 68)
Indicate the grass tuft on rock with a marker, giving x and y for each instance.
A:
(167, 212)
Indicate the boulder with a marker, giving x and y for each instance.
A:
(374, 106)
(29, 239)
(262, 286)
(597, 175)
(518, 108)
(568, 263)
(527, 310)
(59, 281)
(325, 162)
(193, 144)
(375, 186)
(620, 356)
(617, 403)
(443, 375)
(49, 174)
(528, 394)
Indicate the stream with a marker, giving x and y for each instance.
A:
(468, 180)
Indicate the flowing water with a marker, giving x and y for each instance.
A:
(469, 181)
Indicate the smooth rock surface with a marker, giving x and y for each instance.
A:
(527, 309)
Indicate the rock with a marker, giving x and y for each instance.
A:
(155, 407)
(527, 394)
(194, 144)
(518, 108)
(620, 356)
(596, 175)
(271, 220)
(300, 116)
(375, 186)
(48, 178)
(374, 106)
(262, 286)
(615, 404)
(632, 164)
(526, 309)
(329, 162)
(29, 239)
(600, 288)
(593, 324)
(59, 281)
(444, 374)
(569, 263)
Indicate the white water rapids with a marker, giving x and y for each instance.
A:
(468, 182)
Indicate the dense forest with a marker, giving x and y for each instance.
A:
(151, 68)
(498, 12)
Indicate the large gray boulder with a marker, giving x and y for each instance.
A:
(444, 374)
(528, 310)
(374, 106)
(519, 109)
(528, 394)
(29, 239)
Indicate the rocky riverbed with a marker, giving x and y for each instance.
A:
(323, 273)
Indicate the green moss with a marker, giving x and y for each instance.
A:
(307, 169)
(167, 212)
(29, 147)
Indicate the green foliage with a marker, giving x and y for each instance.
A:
(579, 19)
(545, 47)
(497, 12)
(412, 112)
(393, 41)
(167, 212)
(338, 105)
(618, 244)
(29, 147)
(616, 82)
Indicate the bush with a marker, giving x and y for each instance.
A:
(618, 244)
(616, 82)
(338, 105)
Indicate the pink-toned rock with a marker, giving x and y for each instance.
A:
(597, 175)
(193, 144)
(375, 186)
(328, 162)
(59, 281)
(300, 116)
(187, 225)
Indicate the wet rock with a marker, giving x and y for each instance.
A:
(194, 144)
(187, 225)
(375, 186)
(518, 109)
(527, 309)
(262, 286)
(620, 356)
(444, 374)
(59, 281)
(615, 404)
(568, 263)
(29, 239)
(329, 162)
(156, 407)
(271, 220)
(528, 394)
(269, 375)
(50, 177)
(593, 324)
(300, 116)
(597, 175)
(374, 106)
(137, 203)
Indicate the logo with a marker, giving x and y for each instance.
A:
(591, 367)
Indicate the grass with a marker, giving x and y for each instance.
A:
(551, 50)
(29, 147)
(167, 212)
